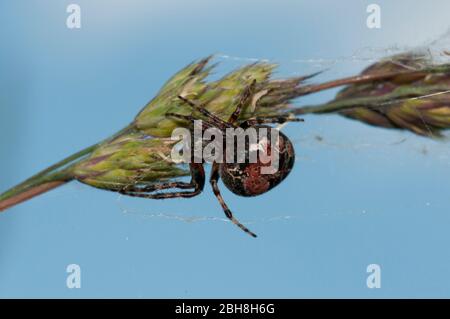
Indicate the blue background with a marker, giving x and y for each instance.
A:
(361, 195)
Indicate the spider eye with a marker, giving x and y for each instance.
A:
(252, 179)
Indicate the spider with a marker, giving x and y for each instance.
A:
(243, 179)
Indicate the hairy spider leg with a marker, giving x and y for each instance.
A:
(243, 100)
(214, 184)
(197, 183)
(190, 118)
(213, 118)
(270, 120)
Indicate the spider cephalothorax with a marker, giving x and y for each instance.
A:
(247, 178)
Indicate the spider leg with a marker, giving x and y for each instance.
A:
(190, 118)
(270, 120)
(213, 180)
(243, 100)
(197, 183)
(200, 108)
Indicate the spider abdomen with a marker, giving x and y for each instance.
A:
(249, 179)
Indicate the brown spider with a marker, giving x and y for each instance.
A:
(243, 179)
